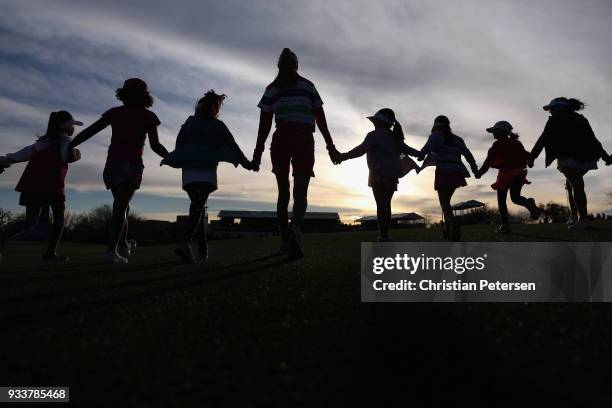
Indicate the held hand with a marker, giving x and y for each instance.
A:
(255, 164)
(608, 160)
(530, 162)
(334, 154)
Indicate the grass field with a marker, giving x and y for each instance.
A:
(249, 328)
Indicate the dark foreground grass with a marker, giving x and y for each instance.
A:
(249, 328)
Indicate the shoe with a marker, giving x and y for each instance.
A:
(534, 211)
(445, 232)
(126, 251)
(295, 250)
(184, 251)
(54, 258)
(455, 232)
(580, 225)
(385, 238)
(112, 257)
(572, 220)
(503, 229)
(202, 250)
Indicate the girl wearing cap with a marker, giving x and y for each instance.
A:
(569, 138)
(384, 147)
(42, 183)
(444, 149)
(201, 144)
(130, 123)
(509, 156)
(295, 104)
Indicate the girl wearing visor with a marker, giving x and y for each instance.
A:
(131, 123)
(42, 183)
(569, 139)
(509, 156)
(387, 162)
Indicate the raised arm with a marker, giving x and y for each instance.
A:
(88, 132)
(155, 145)
(265, 125)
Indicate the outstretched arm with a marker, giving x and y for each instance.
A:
(155, 145)
(265, 125)
(319, 114)
(470, 159)
(411, 151)
(88, 133)
(357, 151)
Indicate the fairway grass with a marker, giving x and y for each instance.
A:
(250, 328)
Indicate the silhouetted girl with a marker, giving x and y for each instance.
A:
(384, 147)
(130, 123)
(509, 156)
(569, 139)
(42, 183)
(296, 106)
(446, 149)
(201, 144)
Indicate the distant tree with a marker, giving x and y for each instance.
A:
(556, 212)
(5, 217)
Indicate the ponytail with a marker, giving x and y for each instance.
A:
(287, 68)
(397, 130)
(206, 103)
(514, 136)
(576, 104)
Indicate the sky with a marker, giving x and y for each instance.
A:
(475, 61)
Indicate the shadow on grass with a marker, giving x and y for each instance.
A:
(174, 281)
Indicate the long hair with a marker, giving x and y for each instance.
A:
(205, 103)
(576, 104)
(54, 125)
(443, 123)
(397, 130)
(287, 68)
(514, 136)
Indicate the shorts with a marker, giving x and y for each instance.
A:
(292, 148)
(448, 180)
(41, 199)
(124, 172)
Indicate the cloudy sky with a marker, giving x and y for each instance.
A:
(475, 61)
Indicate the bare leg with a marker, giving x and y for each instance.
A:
(383, 197)
(444, 196)
(575, 177)
(282, 204)
(33, 215)
(502, 194)
(57, 228)
(122, 195)
(570, 199)
(123, 238)
(300, 199)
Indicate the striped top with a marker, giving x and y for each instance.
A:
(448, 156)
(293, 104)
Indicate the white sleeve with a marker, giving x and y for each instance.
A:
(22, 155)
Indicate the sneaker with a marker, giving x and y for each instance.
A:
(295, 250)
(385, 238)
(503, 229)
(580, 225)
(112, 257)
(202, 250)
(126, 251)
(534, 210)
(455, 231)
(572, 220)
(184, 251)
(54, 258)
